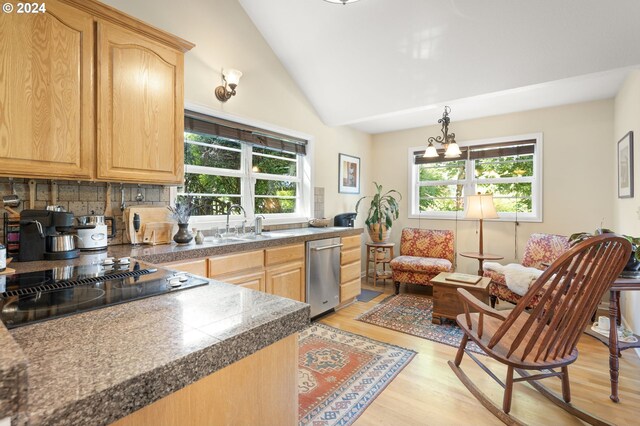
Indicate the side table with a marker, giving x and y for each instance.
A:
(481, 258)
(446, 303)
(379, 253)
(615, 346)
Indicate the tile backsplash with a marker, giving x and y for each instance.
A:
(83, 198)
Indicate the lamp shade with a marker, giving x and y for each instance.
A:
(431, 151)
(453, 151)
(232, 76)
(480, 206)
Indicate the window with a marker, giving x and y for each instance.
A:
(227, 162)
(509, 168)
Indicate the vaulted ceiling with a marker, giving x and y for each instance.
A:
(383, 65)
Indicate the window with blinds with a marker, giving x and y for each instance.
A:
(227, 162)
(508, 168)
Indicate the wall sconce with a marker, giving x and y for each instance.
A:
(448, 140)
(231, 79)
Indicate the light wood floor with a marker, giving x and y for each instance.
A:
(427, 392)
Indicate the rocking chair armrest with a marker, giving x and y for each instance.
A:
(470, 300)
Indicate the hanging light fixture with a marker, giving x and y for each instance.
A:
(448, 140)
(341, 1)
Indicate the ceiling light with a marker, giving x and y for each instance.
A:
(341, 1)
(231, 78)
(448, 140)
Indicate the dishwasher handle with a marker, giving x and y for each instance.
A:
(327, 247)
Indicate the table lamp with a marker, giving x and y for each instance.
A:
(480, 207)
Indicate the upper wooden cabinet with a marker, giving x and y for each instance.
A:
(47, 93)
(140, 108)
(53, 102)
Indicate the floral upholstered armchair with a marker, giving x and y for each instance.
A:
(424, 253)
(540, 251)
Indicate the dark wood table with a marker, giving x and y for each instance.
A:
(615, 347)
(481, 258)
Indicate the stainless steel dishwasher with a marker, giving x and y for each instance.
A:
(323, 275)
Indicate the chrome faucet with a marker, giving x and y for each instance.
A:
(233, 207)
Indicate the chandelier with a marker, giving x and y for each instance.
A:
(448, 140)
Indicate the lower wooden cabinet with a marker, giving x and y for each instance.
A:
(287, 280)
(350, 268)
(253, 280)
(278, 270)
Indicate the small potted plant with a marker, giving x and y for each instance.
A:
(383, 211)
(632, 268)
(181, 214)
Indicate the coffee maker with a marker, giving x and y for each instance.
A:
(45, 235)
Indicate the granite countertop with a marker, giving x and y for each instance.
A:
(125, 357)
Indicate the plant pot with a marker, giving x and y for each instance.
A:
(183, 236)
(374, 233)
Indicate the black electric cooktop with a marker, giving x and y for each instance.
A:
(38, 296)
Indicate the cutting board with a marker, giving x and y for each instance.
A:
(148, 214)
(157, 233)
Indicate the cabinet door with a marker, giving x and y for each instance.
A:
(46, 93)
(254, 281)
(287, 281)
(140, 108)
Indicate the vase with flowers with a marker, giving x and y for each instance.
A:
(181, 213)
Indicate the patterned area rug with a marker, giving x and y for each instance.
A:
(341, 373)
(412, 315)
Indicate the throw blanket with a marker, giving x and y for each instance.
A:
(517, 277)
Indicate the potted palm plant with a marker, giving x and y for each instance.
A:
(383, 211)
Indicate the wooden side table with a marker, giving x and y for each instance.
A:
(615, 346)
(446, 303)
(481, 258)
(379, 254)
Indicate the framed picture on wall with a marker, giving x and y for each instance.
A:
(348, 174)
(625, 166)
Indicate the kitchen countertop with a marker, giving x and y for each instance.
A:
(125, 357)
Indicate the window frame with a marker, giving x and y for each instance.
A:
(304, 204)
(470, 182)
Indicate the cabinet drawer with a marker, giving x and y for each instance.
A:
(196, 267)
(350, 242)
(274, 256)
(349, 290)
(350, 272)
(221, 265)
(350, 256)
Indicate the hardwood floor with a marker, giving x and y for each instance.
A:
(427, 392)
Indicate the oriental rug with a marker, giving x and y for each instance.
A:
(411, 314)
(340, 374)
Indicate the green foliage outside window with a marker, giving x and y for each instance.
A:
(209, 194)
(449, 178)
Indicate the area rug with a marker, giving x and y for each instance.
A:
(412, 315)
(368, 295)
(341, 373)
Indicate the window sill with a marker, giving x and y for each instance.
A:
(509, 218)
(205, 222)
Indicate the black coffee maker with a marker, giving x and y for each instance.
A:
(44, 235)
(344, 219)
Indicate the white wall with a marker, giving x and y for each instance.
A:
(577, 168)
(626, 220)
(226, 38)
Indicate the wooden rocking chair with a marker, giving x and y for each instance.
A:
(544, 338)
